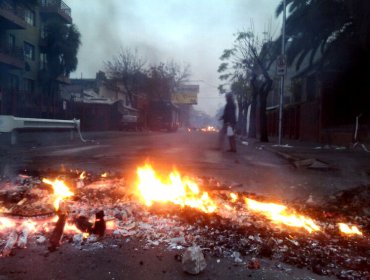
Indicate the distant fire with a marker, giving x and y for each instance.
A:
(209, 129)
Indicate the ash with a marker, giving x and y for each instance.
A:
(239, 235)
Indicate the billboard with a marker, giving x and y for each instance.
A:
(186, 94)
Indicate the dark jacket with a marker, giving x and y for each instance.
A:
(229, 113)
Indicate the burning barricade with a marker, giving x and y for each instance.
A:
(179, 212)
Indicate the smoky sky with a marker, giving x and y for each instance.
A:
(191, 32)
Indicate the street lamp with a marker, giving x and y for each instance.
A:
(282, 79)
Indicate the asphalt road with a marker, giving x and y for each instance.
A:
(250, 169)
(254, 168)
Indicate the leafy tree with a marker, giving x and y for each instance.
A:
(249, 62)
(62, 42)
(164, 78)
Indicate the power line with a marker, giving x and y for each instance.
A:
(203, 81)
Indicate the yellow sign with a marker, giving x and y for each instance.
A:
(186, 94)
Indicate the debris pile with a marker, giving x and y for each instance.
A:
(106, 208)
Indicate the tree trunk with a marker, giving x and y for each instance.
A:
(239, 124)
(263, 117)
(252, 121)
(264, 91)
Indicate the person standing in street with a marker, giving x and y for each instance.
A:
(229, 122)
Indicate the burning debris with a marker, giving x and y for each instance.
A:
(178, 213)
(56, 236)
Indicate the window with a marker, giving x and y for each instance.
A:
(42, 31)
(13, 82)
(29, 51)
(29, 85)
(311, 88)
(11, 42)
(43, 61)
(29, 17)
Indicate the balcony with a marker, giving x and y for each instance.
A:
(52, 8)
(11, 17)
(12, 57)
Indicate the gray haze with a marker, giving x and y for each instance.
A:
(192, 31)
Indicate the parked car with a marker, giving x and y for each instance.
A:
(130, 120)
(163, 115)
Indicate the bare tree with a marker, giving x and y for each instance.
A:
(165, 77)
(129, 69)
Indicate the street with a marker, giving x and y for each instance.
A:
(255, 168)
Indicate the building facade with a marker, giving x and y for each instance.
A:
(23, 55)
(319, 106)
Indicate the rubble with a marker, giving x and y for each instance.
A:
(237, 234)
(254, 264)
(193, 261)
(10, 243)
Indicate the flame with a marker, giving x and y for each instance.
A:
(233, 197)
(177, 190)
(111, 225)
(346, 229)
(61, 191)
(104, 175)
(31, 225)
(6, 223)
(279, 214)
(83, 175)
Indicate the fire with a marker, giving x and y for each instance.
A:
(61, 191)
(175, 189)
(346, 229)
(233, 197)
(82, 175)
(209, 129)
(6, 223)
(104, 175)
(279, 214)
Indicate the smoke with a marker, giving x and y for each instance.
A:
(188, 32)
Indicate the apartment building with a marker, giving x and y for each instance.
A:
(22, 54)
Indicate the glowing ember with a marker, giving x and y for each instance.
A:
(104, 175)
(111, 225)
(61, 191)
(6, 223)
(346, 229)
(83, 175)
(279, 214)
(177, 190)
(29, 224)
(233, 197)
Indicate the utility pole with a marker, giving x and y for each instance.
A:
(282, 79)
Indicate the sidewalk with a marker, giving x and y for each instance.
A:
(322, 170)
